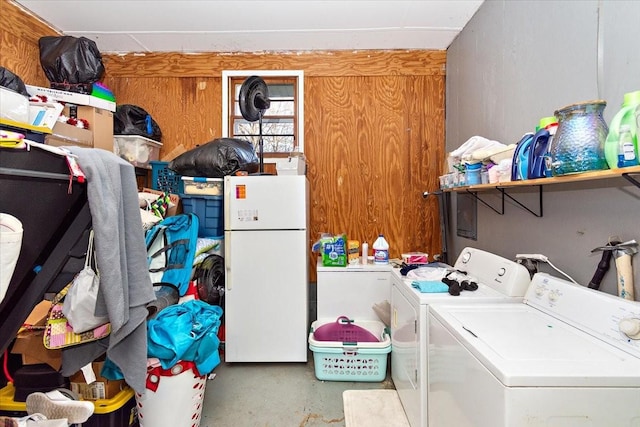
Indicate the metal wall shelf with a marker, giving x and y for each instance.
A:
(629, 174)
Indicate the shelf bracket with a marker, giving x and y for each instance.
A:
(499, 212)
(629, 177)
(539, 215)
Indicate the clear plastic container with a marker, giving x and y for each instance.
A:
(472, 173)
(137, 150)
(201, 185)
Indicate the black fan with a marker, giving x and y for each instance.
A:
(254, 101)
(209, 277)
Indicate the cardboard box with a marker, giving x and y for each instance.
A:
(29, 343)
(101, 388)
(63, 134)
(72, 97)
(353, 252)
(38, 315)
(100, 125)
(99, 134)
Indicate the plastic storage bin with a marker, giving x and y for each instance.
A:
(164, 179)
(338, 361)
(210, 213)
(291, 166)
(204, 186)
(136, 149)
(120, 411)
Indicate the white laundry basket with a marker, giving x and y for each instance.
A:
(173, 397)
(10, 244)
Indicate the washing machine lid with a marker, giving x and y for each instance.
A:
(524, 347)
(482, 294)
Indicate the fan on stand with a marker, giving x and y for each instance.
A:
(254, 101)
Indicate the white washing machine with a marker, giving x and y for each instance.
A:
(499, 280)
(566, 355)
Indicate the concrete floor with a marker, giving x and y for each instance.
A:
(276, 395)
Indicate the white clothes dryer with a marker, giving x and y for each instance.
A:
(498, 279)
(566, 355)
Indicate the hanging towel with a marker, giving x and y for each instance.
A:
(125, 285)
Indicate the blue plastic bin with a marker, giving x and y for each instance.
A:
(164, 179)
(210, 213)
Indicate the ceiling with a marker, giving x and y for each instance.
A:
(192, 26)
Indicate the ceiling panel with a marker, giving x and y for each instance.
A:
(247, 26)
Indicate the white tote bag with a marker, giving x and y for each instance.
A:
(10, 244)
(80, 302)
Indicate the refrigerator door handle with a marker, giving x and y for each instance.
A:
(227, 263)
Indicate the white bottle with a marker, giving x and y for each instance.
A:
(365, 253)
(380, 250)
(626, 149)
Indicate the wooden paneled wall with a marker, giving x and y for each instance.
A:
(374, 126)
(19, 34)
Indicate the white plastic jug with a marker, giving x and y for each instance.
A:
(380, 250)
(10, 244)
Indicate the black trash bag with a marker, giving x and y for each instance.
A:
(71, 63)
(134, 120)
(217, 159)
(11, 81)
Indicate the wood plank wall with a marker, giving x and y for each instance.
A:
(19, 34)
(374, 125)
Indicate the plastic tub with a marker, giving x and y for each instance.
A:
(209, 210)
(136, 149)
(120, 411)
(164, 179)
(338, 361)
(201, 185)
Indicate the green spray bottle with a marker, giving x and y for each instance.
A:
(628, 115)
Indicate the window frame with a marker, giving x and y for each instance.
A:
(228, 103)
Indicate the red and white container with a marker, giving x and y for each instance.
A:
(173, 397)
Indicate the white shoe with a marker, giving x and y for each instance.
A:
(39, 420)
(55, 405)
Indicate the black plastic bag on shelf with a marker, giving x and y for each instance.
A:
(217, 159)
(71, 63)
(134, 120)
(12, 81)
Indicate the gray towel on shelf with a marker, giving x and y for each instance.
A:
(125, 285)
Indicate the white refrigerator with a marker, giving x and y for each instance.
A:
(267, 262)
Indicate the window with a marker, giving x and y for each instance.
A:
(282, 123)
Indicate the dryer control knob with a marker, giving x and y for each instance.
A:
(630, 327)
